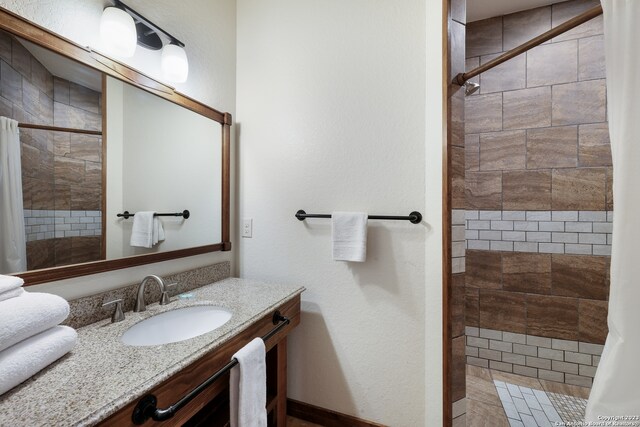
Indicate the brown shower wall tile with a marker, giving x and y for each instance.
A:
(581, 276)
(526, 272)
(503, 311)
(458, 368)
(591, 64)
(457, 178)
(472, 152)
(487, 37)
(521, 27)
(563, 11)
(594, 148)
(593, 321)
(563, 55)
(552, 148)
(552, 316)
(483, 113)
(483, 269)
(472, 307)
(527, 108)
(579, 102)
(457, 305)
(483, 190)
(509, 75)
(579, 189)
(609, 203)
(503, 150)
(526, 190)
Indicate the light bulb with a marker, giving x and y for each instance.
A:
(175, 66)
(118, 32)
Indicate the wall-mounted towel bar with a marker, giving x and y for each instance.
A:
(185, 214)
(147, 406)
(415, 217)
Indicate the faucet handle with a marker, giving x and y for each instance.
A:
(164, 298)
(118, 315)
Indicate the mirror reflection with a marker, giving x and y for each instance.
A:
(77, 157)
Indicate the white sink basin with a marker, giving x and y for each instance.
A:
(176, 325)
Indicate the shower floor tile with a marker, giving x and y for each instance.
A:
(514, 400)
(526, 406)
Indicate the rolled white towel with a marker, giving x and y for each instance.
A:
(23, 360)
(28, 315)
(8, 283)
(11, 294)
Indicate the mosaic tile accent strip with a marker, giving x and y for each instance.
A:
(556, 232)
(570, 408)
(570, 362)
(458, 243)
(527, 407)
(54, 224)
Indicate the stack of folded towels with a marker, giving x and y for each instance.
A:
(30, 338)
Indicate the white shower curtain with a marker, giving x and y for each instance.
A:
(616, 388)
(13, 246)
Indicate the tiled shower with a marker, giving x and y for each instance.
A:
(537, 198)
(61, 172)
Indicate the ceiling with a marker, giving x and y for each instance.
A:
(483, 9)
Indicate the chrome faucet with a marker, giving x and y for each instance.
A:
(164, 298)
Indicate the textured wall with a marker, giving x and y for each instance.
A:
(208, 29)
(331, 109)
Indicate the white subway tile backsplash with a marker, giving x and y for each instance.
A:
(548, 353)
(602, 250)
(564, 237)
(580, 249)
(595, 349)
(471, 331)
(551, 248)
(490, 235)
(538, 215)
(564, 215)
(569, 368)
(517, 236)
(538, 236)
(567, 345)
(502, 225)
(498, 245)
(525, 247)
(458, 217)
(514, 215)
(43, 224)
(471, 235)
(538, 341)
(490, 215)
(478, 225)
(581, 358)
(578, 227)
(593, 238)
(592, 216)
(471, 214)
(525, 225)
(478, 245)
(551, 226)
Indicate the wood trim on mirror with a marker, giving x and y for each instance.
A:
(25, 29)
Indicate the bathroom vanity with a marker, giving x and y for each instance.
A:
(102, 380)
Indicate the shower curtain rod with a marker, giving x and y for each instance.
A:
(59, 129)
(461, 78)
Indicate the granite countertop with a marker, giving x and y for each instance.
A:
(101, 375)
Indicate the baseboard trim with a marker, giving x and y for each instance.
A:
(325, 417)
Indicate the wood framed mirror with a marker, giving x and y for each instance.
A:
(81, 111)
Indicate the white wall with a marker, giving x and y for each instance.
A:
(331, 113)
(209, 31)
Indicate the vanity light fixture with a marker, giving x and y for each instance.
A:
(121, 28)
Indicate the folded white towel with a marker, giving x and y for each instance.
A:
(349, 234)
(147, 230)
(8, 283)
(248, 386)
(28, 315)
(23, 360)
(11, 294)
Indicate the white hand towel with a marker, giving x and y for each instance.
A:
(11, 294)
(8, 283)
(28, 315)
(23, 360)
(349, 233)
(248, 386)
(147, 230)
